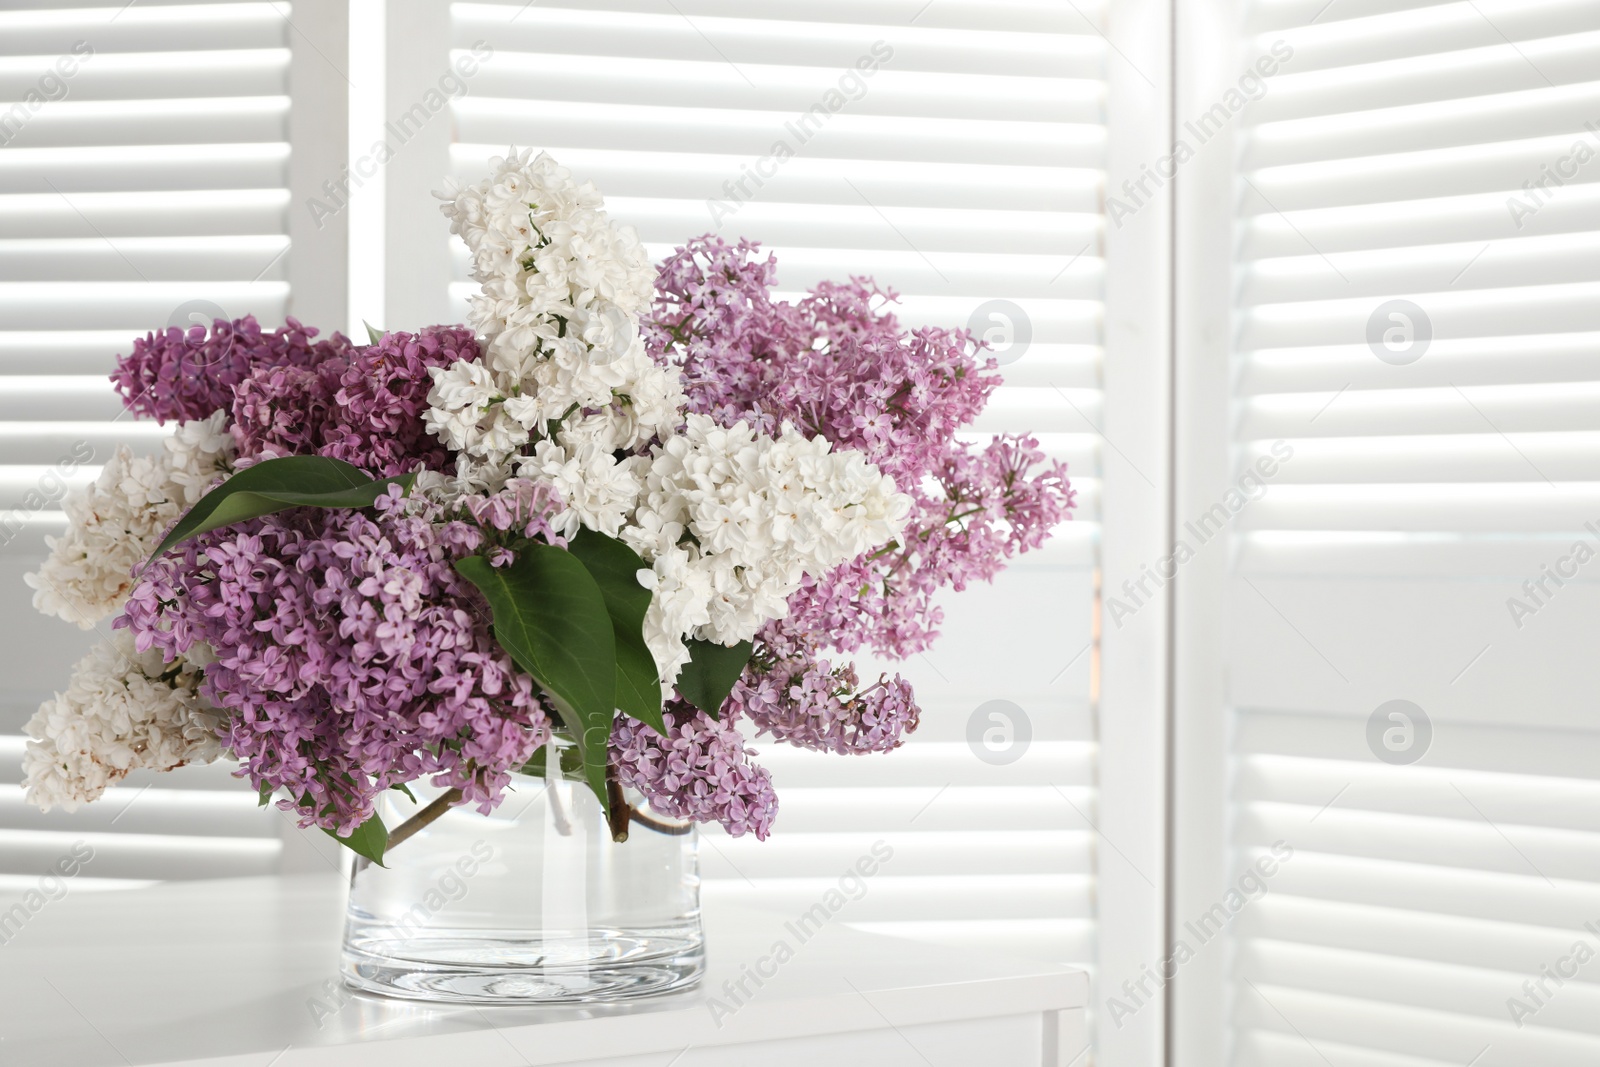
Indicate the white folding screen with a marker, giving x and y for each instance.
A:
(1402, 693)
(961, 161)
(145, 179)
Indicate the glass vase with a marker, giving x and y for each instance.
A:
(533, 904)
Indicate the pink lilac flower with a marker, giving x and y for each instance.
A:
(363, 406)
(349, 654)
(280, 411)
(701, 770)
(801, 699)
(180, 375)
(837, 363)
(522, 510)
(991, 503)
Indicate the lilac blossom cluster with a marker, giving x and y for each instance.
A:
(348, 654)
(362, 405)
(179, 375)
(837, 364)
(701, 770)
(798, 697)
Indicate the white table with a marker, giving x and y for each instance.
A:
(240, 972)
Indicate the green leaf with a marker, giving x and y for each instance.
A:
(402, 787)
(369, 839)
(266, 795)
(374, 335)
(275, 485)
(709, 676)
(615, 568)
(551, 618)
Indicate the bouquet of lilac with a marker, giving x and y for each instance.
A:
(642, 510)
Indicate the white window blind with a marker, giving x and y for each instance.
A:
(1445, 462)
(144, 180)
(968, 169)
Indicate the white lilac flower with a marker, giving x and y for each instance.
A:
(763, 512)
(679, 604)
(473, 476)
(115, 523)
(608, 330)
(459, 405)
(653, 405)
(561, 288)
(122, 711)
(198, 453)
(600, 490)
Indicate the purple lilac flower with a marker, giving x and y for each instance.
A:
(279, 411)
(802, 699)
(701, 770)
(991, 504)
(180, 375)
(363, 406)
(838, 364)
(349, 654)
